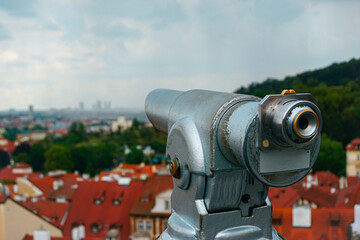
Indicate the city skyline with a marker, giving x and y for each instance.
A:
(59, 53)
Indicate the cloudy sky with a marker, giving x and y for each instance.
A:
(56, 53)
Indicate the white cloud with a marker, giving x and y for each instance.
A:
(8, 56)
(70, 52)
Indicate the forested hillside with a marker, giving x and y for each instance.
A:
(337, 89)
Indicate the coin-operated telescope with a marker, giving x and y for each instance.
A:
(225, 150)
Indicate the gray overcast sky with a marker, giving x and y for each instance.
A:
(56, 53)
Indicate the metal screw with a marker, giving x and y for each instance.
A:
(174, 167)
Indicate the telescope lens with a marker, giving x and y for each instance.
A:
(303, 123)
(306, 124)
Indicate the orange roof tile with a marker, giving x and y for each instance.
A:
(348, 197)
(324, 222)
(50, 210)
(353, 143)
(45, 184)
(146, 200)
(283, 197)
(93, 202)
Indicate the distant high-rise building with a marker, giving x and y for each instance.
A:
(31, 109)
(81, 105)
(98, 105)
(107, 105)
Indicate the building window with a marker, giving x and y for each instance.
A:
(113, 233)
(276, 221)
(358, 157)
(77, 232)
(357, 147)
(140, 225)
(167, 204)
(95, 228)
(116, 202)
(334, 223)
(148, 225)
(335, 219)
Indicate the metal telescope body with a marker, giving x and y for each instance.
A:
(225, 150)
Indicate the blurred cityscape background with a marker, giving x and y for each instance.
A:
(80, 160)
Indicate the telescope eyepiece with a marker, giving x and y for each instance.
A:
(302, 123)
(289, 120)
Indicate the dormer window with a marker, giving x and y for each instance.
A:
(95, 228)
(99, 198)
(334, 219)
(276, 221)
(276, 218)
(98, 201)
(117, 198)
(113, 233)
(144, 200)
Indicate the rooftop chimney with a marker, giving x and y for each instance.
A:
(41, 234)
(301, 216)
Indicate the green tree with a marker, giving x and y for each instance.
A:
(37, 158)
(22, 148)
(104, 154)
(58, 157)
(11, 134)
(332, 157)
(22, 157)
(76, 135)
(158, 145)
(136, 156)
(4, 159)
(135, 124)
(82, 156)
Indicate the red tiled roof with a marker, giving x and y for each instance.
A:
(348, 197)
(353, 180)
(65, 192)
(321, 196)
(9, 146)
(320, 224)
(283, 197)
(50, 210)
(287, 196)
(7, 173)
(67, 189)
(146, 200)
(135, 171)
(84, 211)
(351, 146)
(327, 179)
(22, 165)
(45, 184)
